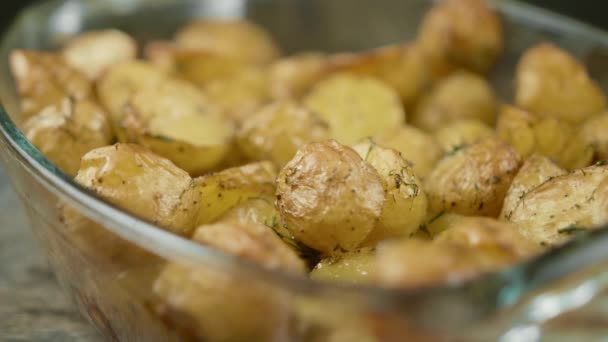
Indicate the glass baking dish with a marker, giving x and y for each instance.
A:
(109, 267)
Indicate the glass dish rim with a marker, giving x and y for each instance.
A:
(522, 277)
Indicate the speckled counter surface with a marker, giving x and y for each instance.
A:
(32, 306)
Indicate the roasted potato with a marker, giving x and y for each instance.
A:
(293, 77)
(94, 52)
(276, 131)
(462, 133)
(329, 198)
(473, 180)
(238, 39)
(45, 79)
(121, 81)
(67, 131)
(551, 83)
(142, 183)
(221, 191)
(593, 133)
(535, 171)
(405, 203)
(462, 33)
(210, 304)
(355, 107)
(550, 137)
(415, 145)
(460, 96)
(176, 121)
(552, 212)
(353, 267)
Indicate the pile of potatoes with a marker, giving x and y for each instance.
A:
(398, 167)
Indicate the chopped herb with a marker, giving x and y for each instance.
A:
(164, 138)
(601, 163)
(372, 145)
(455, 150)
(437, 217)
(425, 230)
(571, 229)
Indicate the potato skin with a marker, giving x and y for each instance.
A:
(66, 132)
(276, 131)
(343, 97)
(405, 203)
(593, 133)
(462, 133)
(551, 213)
(415, 145)
(44, 79)
(93, 52)
(142, 183)
(535, 171)
(462, 33)
(473, 180)
(329, 198)
(462, 95)
(552, 83)
(550, 137)
(237, 39)
(355, 267)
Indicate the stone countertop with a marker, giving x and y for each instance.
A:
(32, 305)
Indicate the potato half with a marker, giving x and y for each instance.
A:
(462, 133)
(293, 77)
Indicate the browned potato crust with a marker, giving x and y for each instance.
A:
(551, 83)
(463, 33)
(93, 52)
(462, 133)
(415, 145)
(238, 39)
(142, 183)
(461, 96)
(473, 180)
(276, 131)
(66, 132)
(44, 79)
(293, 77)
(329, 198)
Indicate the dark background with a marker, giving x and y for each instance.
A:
(591, 11)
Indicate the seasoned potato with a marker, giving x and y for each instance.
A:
(221, 191)
(414, 263)
(405, 203)
(352, 267)
(473, 180)
(460, 96)
(535, 171)
(329, 198)
(551, 83)
(355, 107)
(210, 305)
(121, 81)
(258, 210)
(415, 145)
(549, 137)
(66, 132)
(401, 67)
(551, 213)
(44, 79)
(276, 131)
(462, 133)
(143, 183)
(94, 52)
(238, 39)
(463, 33)
(292, 77)
(176, 121)
(593, 132)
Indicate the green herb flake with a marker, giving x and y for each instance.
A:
(601, 163)
(571, 230)
(437, 216)
(372, 145)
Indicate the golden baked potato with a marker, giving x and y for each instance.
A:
(45, 79)
(593, 133)
(550, 137)
(405, 203)
(67, 131)
(353, 267)
(293, 77)
(92, 53)
(330, 199)
(462, 95)
(461, 133)
(551, 83)
(415, 145)
(473, 180)
(355, 107)
(176, 121)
